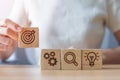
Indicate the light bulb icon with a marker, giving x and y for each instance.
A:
(91, 57)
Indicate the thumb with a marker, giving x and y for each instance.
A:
(12, 25)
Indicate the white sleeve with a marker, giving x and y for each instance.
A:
(19, 13)
(114, 15)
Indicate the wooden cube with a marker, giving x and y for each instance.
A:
(91, 59)
(50, 59)
(29, 38)
(71, 59)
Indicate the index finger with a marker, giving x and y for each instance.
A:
(9, 32)
(12, 25)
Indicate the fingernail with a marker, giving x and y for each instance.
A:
(19, 28)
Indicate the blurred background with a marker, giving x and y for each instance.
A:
(6, 7)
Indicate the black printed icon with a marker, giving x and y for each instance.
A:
(91, 57)
(71, 60)
(51, 58)
(28, 36)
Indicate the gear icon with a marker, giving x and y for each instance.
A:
(52, 61)
(52, 54)
(46, 55)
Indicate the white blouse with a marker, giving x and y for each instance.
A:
(67, 23)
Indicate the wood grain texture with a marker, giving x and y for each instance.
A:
(50, 59)
(32, 72)
(29, 38)
(91, 59)
(71, 59)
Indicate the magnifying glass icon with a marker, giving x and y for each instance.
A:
(70, 61)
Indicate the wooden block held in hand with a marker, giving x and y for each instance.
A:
(91, 59)
(50, 59)
(71, 59)
(29, 38)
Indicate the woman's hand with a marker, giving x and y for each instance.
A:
(8, 38)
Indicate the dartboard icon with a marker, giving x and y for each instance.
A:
(28, 36)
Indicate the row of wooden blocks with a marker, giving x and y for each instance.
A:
(71, 59)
